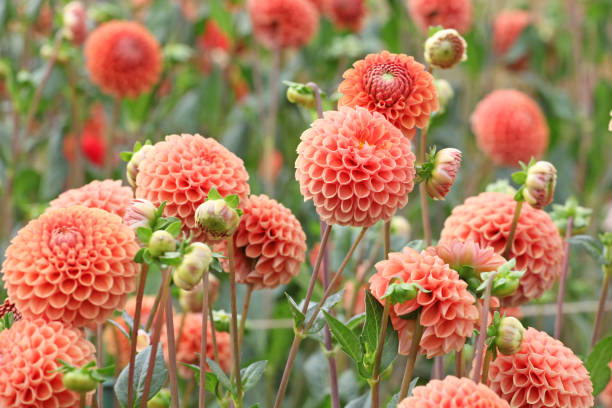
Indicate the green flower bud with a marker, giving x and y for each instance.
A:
(192, 300)
(221, 320)
(445, 49)
(400, 226)
(193, 266)
(161, 400)
(79, 381)
(540, 184)
(509, 335)
(161, 241)
(134, 164)
(400, 292)
(303, 98)
(217, 218)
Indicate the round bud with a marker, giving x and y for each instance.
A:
(445, 93)
(509, 335)
(192, 300)
(306, 100)
(193, 266)
(540, 184)
(445, 49)
(161, 242)
(505, 288)
(79, 381)
(75, 22)
(400, 226)
(139, 214)
(217, 218)
(446, 165)
(161, 400)
(134, 163)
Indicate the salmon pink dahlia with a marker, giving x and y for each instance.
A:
(29, 354)
(270, 244)
(510, 127)
(455, 14)
(181, 170)
(606, 394)
(106, 195)
(73, 265)
(544, 373)
(123, 58)
(283, 23)
(537, 246)
(355, 166)
(392, 84)
(447, 312)
(507, 28)
(347, 14)
(453, 392)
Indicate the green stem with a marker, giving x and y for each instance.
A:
(172, 368)
(563, 279)
(459, 368)
(135, 327)
(202, 396)
(423, 193)
(414, 348)
(234, 325)
(515, 220)
(485, 368)
(602, 304)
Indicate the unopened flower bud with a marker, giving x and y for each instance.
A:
(161, 241)
(192, 300)
(509, 335)
(134, 164)
(305, 99)
(540, 184)
(446, 165)
(400, 226)
(445, 93)
(445, 49)
(75, 22)
(193, 266)
(217, 218)
(143, 340)
(400, 292)
(161, 400)
(221, 320)
(505, 282)
(79, 381)
(139, 214)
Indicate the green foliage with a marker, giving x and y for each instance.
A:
(597, 364)
(140, 372)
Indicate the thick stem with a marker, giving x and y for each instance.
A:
(438, 368)
(172, 369)
(601, 307)
(245, 312)
(110, 138)
(423, 193)
(135, 327)
(154, 309)
(234, 325)
(181, 328)
(317, 92)
(82, 400)
(459, 368)
(485, 368)
(202, 396)
(480, 344)
(270, 129)
(414, 348)
(515, 220)
(315, 269)
(213, 331)
(100, 359)
(157, 328)
(563, 280)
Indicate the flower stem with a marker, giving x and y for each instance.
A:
(423, 193)
(202, 396)
(270, 128)
(484, 319)
(154, 309)
(414, 348)
(563, 280)
(315, 269)
(171, 353)
(300, 332)
(213, 331)
(135, 327)
(459, 368)
(515, 220)
(100, 358)
(234, 325)
(485, 368)
(245, 311)
(83, 398)
(602, 303)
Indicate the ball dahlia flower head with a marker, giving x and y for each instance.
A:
(73, 265)
(29, 352)
(394, 85)
(453, 392)
(537, 247)
(543, 373)
(445, 309)
(355, 166)
(123, 58)
(182, 169)
(510, 127)
(455, 14)
(107, 195)
(270, 244)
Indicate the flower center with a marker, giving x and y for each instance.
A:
(65, 237)
(387, 83)
(129, 51)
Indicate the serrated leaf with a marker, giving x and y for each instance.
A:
(298, 316)
(356, 320)
(348, 340)
(221, 376)
(144, 234)
(371, 328)
(213, 194)
(174, 228)
(232, 200)
(597, 364)
(329, 303)
(140, 372)
(251, 374)
(390, 347)
(592, 246)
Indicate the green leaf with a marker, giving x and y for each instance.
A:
(139, 257)
(434, 29)
(329, 303)
(251, 374)
(213, 194)
(519, 177)
(171, 258)
(298, 316)
(160, 210)
(356, 320)
(126, 156)
(221, 376)
(360, 402)
(232, 200)
(140, 372)
(592, 246)
(144, 234)
(128, 320)
(390, 347)
(174, 228)
(371, 328)
(597, 364)
(348, 340)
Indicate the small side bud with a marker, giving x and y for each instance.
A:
(221, 320)
(217, 218)
(400, 292)
(161, 242)
(134, 163)
(445, 49)
(509, 335)
(400, 226)
(540, 184)
(79, 381)
(445, 93)
(445, 166)
(75, 22)
(301, 94)
(161, 400)
(139, 214)
(506, 282)
(193, 266)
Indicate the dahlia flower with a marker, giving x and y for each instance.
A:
(442, 177)
(458, 254)
(74, 265)
(8, 307)
(394, 85)
(507, 28)
(355, 166)
(75, 22)
(123, 58)
(347, 14)
(510, 127)
(445, 49)
(283, 23)
(447, 312)
(181, 170)
(270, 244)
(107, 195)
(453, 392)
(537, 246)
(543, 373)
(29, 352)
(455, 14)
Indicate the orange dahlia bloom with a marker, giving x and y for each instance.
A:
(270, 244)
(355, 166)
(453, 392)
(71, 264)
(510, 127)
(544, 373)
(283, 23)
(455, 14)
(29, 353)
(347, 14)
(468, 253)
(123, 58)
(188, 346)
(447, 312)
(107, 195)
(507, 28)
(606, 394)
(182, 170)
(392, 84)
(537, 247)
